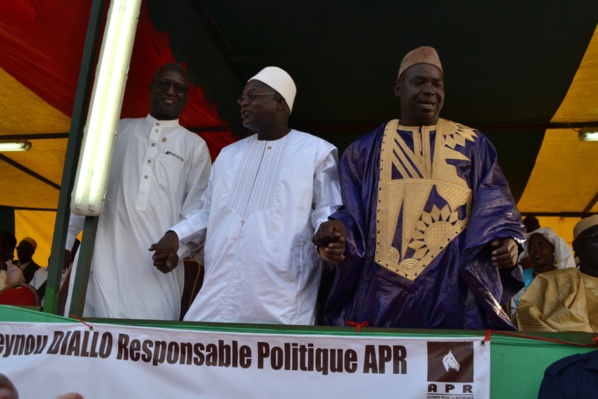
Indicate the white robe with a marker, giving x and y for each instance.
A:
(158, 173)
(263, 203)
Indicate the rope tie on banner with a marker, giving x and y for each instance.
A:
(487, 337)
(81, 321)
(357, 325)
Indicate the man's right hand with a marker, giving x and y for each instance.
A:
(330, 240)
(165, 256)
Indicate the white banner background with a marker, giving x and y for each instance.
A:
(46, 360)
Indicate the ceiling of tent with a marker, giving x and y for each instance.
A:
(525, 74)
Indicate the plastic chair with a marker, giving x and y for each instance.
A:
(194, 273)
(20, 294)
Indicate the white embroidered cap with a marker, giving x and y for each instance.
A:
(279, 80)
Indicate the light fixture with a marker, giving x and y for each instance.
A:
(14, 145)
(104, 109)
(588, 134)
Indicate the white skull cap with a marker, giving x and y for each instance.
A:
(279, 80)
(584, 224)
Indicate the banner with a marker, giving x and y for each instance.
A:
(46, 360)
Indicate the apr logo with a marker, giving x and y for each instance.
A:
(450, 361)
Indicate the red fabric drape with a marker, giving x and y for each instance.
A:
(41, 42)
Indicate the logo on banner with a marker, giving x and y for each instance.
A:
(450, 370)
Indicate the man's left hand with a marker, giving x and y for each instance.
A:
(505, 252)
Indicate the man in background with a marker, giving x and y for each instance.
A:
(25, 251)
(567, 299)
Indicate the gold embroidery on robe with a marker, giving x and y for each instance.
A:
(425, 232)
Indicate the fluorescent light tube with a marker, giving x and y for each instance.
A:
(104, 109)
(17, 145)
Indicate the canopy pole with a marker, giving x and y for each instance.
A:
(72, 157)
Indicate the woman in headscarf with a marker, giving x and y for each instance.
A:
(547, 252)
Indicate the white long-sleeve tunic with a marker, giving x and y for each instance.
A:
(263, 203)
(158, 173)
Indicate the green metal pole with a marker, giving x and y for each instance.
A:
(83, 266)
(72, 156)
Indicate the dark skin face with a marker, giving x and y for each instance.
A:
(420, 88)
(586, 248)
(267, 115)
(169, 92)
(531, 223)
(7, 388)
(541, 253)
(25, 251)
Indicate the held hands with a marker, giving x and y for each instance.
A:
(504, 254)
(330, 240)
(165, 256)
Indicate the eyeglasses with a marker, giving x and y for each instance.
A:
(163, 85)
(591, 237)
(250, 96)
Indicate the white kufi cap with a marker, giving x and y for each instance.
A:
(279, 80)
(584, 224)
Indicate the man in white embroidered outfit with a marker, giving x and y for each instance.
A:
(158, 173)
(266, 196)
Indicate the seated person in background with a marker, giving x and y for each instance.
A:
(574, 376)
(566, 300)
(547, 252)
(25, 251)
(9, 272)
(531, 223)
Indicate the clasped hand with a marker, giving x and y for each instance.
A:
(165, 257)
(330, 240)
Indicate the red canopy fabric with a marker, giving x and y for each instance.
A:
(42, 45)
